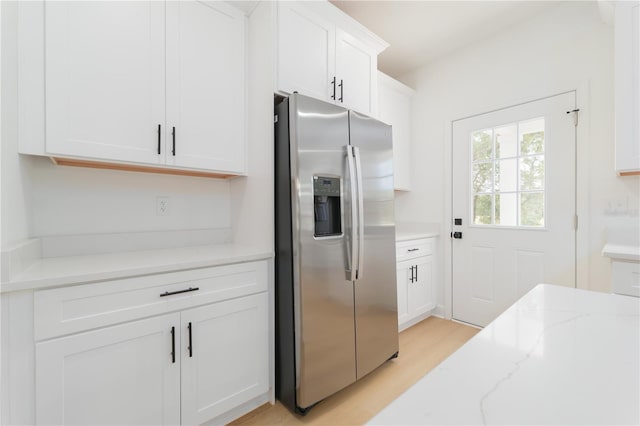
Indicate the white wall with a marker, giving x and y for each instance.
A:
(73, 201)
(568, 47)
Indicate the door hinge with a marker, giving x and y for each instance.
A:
(575, 115)
(575, 222)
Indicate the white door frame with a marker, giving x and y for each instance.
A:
(582, 90)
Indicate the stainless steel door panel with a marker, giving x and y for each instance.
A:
(325, 335)
(376, 313)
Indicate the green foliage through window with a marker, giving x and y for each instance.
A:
(508, 186)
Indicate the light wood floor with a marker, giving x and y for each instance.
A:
(422, 347)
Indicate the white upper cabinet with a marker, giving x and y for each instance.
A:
(144, 83)
(325, 54)
(306, 54)
(356, 67)
(627, 86)
(394, 108)
(105, 79)
(205, 86)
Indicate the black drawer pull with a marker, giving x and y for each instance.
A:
(166, 293)
(414, 249)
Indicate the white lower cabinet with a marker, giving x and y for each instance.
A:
(197, 364)
(415, 279)
(221, 362)
(117, 375)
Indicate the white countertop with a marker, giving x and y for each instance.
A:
(59, 271)
(621, 252)
(558, 356)
(411, 231)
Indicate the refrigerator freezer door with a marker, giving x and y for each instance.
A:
(376, 312)
(323, 296)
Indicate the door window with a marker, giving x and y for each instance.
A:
(508, 175)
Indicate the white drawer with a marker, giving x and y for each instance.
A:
(413, 248)
(72, 309)
(625, 278)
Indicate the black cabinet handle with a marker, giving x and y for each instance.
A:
(190, 342)
(416, 273)
(413, 249)
(341, 90)
(173, 345)
(159, 133)
(411, 279)
(173, 135)
(167, 293)
(334, 88)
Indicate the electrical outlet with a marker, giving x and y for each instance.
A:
(162, 206)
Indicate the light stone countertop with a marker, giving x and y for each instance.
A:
(622, 252)
(558, 356)
(410, 231)
(61, 271)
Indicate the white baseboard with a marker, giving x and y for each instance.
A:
(239, 411)
(414, 321)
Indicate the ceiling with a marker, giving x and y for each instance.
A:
(420, 31)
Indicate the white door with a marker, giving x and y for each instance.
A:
(105, 76)
(225, 356)
(514, 192)
(124, 374)
(306, 52)
(206, 86)
(356, 74)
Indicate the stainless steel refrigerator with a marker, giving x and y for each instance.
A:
(336, 306)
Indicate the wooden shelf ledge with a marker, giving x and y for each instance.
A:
(137, 168)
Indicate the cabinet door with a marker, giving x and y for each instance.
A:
(394, 108)
(306, 52)
(421, 297)
(105, 76)
(627, 86)
(356, 69)
(403, 276)
(123, 374)
(206, 99)
(225, 353)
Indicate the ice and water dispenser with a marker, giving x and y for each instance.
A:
(327, 206)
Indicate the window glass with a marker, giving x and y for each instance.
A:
(482, 142)
(508, 174)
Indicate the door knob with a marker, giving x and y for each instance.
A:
(457, 235)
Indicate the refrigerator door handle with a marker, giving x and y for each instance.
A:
(352, 185)
(356, 151)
